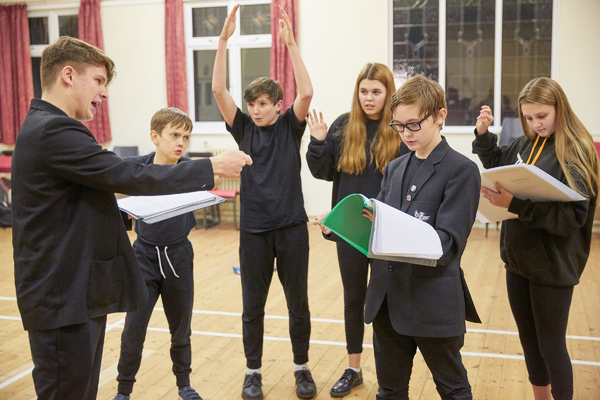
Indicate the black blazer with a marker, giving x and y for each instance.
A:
(429, 301)
(73, 258)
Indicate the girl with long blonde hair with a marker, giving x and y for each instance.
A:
(546, 248)
(353, 154)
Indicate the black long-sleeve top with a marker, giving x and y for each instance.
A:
(323, 157)
(549, 243)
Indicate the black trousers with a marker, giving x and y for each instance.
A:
(541, 313)
(257, 255)
(354, 269)
(394, 355)
(177, 295)
(67, 360)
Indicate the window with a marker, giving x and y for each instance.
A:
(481, 51)
(248, 55)
(46, 27)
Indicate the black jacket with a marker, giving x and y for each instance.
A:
(429, 301)
(550, 241)
(73, 258)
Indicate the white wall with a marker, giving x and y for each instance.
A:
(137, 46)
(336, 38)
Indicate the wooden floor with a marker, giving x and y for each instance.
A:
(492, 353)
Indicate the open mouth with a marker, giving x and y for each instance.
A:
(95, 105)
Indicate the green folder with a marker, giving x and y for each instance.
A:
(346, 221)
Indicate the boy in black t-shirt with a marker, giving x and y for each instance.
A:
(165, 257)
(273, 220)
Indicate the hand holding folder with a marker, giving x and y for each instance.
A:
(523, 181)
(393, 235)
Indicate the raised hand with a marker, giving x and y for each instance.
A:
(484, 120)
(229, 25)
(318, 128)
(285, 28)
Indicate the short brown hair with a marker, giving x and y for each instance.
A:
(422, 92)
(77, 53)
(173, 116)
(264, 86)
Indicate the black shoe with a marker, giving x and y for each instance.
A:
(252, 387)
(120, 396)
(305, 386)
(188, 393)
(349, 380)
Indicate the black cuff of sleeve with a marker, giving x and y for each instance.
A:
(485, 139)
(517, 205)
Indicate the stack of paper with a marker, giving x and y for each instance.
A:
(399, 236)
(523, 181)
(151, 209)
(394, 235)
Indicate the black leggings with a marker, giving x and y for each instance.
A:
(542, 313)
(354, 268)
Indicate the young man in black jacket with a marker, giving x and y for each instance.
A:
(73, 260)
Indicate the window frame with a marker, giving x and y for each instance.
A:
(496, 126)
(235, 44)
(36, 50)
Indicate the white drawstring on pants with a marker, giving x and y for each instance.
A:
(168, 260)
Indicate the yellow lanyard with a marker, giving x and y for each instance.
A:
(539, 151)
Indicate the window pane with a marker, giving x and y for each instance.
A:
(255, 19)
(37, 82)
(470, 59)
(255, 64)
(67, 25)
(208, 21)
(415, 39)
(526, 47)
(205, 104)
(38, 30)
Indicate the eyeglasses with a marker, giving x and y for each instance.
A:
(411, 126)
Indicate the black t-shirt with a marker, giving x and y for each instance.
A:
(271, 189)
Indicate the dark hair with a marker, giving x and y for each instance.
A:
(173, 116)
(76, 53)
(261, 86)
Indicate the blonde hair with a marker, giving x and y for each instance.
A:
(173, 116)
(573, 143)
(423, 93)
(386, 144)
(77, 53)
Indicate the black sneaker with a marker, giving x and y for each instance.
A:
(305, 386)
(120, 396)
(252, 387)
(188, 393)
(349, 380)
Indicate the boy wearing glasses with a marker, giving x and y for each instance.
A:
(413, 306)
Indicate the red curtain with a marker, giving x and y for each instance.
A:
(90, 31)
(177, 94)
(281, 64)
(16, 82)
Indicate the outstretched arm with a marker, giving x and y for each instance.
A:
(305, 89)
(225, 102)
